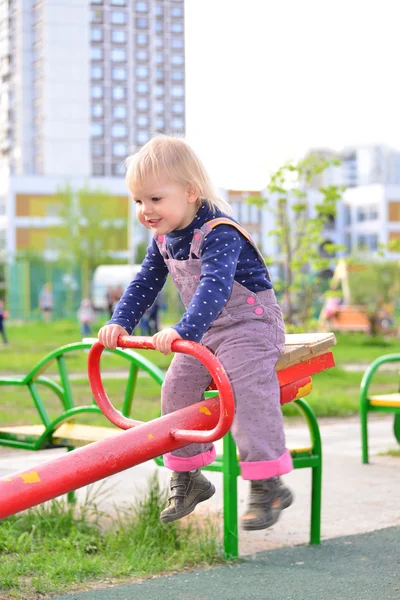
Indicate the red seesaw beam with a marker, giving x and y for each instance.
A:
(204, 421)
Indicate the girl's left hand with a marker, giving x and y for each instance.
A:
(162, 340)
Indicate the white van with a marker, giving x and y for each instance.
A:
(106, 276)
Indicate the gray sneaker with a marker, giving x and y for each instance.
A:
(268, 497)
(187, 490)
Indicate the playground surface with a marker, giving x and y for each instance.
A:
(361, 567)
(360, 501)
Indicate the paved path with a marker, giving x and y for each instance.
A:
(362, 567)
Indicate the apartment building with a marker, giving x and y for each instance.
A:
(83, 85)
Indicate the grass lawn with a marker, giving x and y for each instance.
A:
(335, 392)
(55, 548)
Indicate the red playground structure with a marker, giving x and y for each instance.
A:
(203, 422)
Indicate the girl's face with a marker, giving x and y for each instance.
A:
(163, 206)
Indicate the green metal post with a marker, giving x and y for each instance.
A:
(396, 427)
(230, 471)
(316, 479)
(65, 382)
(364, 430)
(71, 496)
(130, 390)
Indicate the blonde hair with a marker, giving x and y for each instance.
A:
(176, 158)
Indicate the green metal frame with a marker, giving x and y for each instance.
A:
(64, 392)
(227, 463)
(366, 407)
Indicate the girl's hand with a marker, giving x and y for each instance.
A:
(162, 340)
(109, 334)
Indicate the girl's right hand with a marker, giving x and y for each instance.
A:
(109, 334)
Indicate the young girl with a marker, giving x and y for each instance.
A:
(230, 308)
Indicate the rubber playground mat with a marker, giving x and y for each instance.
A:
(358, 567)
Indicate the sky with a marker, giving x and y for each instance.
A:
(266, 80)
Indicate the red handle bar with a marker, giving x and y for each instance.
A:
(212, 364)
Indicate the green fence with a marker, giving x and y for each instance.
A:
(25, 280)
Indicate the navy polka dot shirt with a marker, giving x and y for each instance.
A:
(226, 256)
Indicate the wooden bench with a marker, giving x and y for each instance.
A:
(384, 403)
(305, 355)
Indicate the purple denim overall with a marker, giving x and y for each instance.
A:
(247, 337)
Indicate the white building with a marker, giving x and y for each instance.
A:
(372, 217)
(83, 85)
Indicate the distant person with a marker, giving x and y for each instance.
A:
(231, 309)
(86, 316)
(46, 303)
(3, 316)
(149, 323)
(110, 300)
(117, 293)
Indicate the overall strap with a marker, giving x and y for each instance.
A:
(161, 242)
(210, 225)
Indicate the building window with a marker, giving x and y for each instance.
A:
(142, 55)
(177, 123)
(178, 108)
(142, 87)
(119, 111)
(118, 93)
(160, 123)
(177, 59)
(159, 26)
(142, 137)
(159, 75)
(159, 106)
(118, 17)
(141, 6)
(177, 27)
(177, 75)
(96, 35)
(97, 72)
(142, 38)
(118, 2)
(98, 169)
(119, 73)
(367, 213)
(118, 169)
(142, 23)
(97, 91)
(96, 52)
(96, 15)
(118, 54)
(142, 120)
(367, 242)
(159, 58)
(177, 91)
(97, 110)
(98, 149)
(118, 130)
(159, 11)
(177, 11)
(142, 103)
(142, 71)
(118, 36)
(159, 42)
(176, 43)
(159, 90)
(97, 129)
(119, 149)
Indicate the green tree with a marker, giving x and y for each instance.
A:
(297, 229)
(374, 286)
(94, 228)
